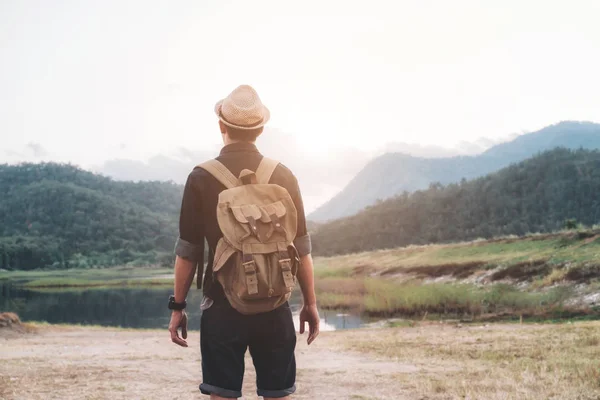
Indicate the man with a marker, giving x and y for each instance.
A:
(226, 333)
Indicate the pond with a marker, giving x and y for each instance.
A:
(127, 307)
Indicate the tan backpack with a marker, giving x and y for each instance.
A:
(255, 261)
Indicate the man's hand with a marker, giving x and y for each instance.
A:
(310, 314)
(178, 320)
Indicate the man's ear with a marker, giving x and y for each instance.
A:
(222, 127)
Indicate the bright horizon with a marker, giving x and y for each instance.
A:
(136, 81)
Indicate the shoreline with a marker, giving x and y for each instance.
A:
(535, 278)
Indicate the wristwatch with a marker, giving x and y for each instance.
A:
(173, 305)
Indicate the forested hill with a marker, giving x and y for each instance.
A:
(393, 173)
(536, 195)
(56, 215)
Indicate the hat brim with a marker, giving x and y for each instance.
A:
(266, 115)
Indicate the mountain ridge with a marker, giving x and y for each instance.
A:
(61, 216)
(379, 179)
(535, 195)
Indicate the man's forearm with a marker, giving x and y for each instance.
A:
(184, 276)
(307, 280)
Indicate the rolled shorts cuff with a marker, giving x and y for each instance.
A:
(276, 393)
(303, 245)
(210, 389)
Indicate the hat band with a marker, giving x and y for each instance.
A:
(241, 125)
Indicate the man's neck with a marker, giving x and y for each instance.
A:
(228, 141)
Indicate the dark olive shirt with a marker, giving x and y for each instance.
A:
(198, 218)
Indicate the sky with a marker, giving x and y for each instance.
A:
(127, 87)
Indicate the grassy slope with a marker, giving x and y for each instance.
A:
(470, 278)
(556, 249)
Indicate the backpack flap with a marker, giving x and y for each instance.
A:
(242, 208)
(269, 215)
(247, 215)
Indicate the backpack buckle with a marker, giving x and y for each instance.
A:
(249, 267)
(286, 264)
(251, 279)
(286, 271)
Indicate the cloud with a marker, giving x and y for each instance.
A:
(11, 153)
(37, 149)
(157, 168)
(320, 176)
(193, 156)
(31, 152)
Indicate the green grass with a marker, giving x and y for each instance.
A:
(83, 283)
(82, 278)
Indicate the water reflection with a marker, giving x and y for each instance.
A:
(126, 307)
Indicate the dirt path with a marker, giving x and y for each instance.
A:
(104, 363)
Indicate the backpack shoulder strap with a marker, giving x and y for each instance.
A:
(220, 172)
(265, 170)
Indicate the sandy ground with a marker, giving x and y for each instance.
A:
(429, 361)
(103, 363)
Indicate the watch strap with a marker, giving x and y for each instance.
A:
(173, 305)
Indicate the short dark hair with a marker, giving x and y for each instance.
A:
(243, 135)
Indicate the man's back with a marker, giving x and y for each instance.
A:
(226, 333)
(198, 218)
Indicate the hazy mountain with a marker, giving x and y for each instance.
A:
(340, 165)
(536, 195)
(394, 173)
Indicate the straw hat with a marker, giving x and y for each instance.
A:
(242, 109)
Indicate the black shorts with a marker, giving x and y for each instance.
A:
(225, 334)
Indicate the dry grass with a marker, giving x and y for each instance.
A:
(555, 276)
(457, 270)
(381, 297)
(491, 362)
(11, 326)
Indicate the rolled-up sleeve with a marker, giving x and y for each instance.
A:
(189, 251)
(303, 245)
(190, 244)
